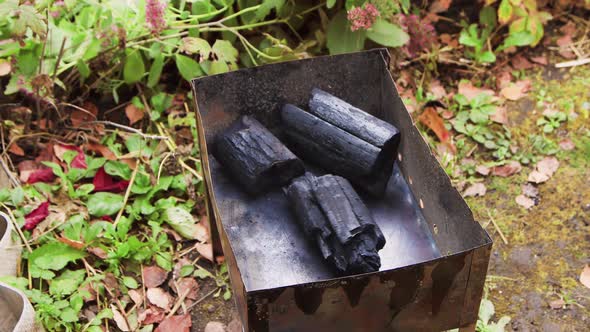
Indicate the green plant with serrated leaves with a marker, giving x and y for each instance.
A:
(551, 121)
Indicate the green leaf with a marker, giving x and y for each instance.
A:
(487, 57)
(217, 67)
(83, 68)
(134, 67)
(469, 38)
(225, 51)
(521, 38)
(68, 315)
(188, 67)
(267, 6)
(130, 282)
(118, 169)
(104, 204)
(330, 3)
(185, 271)
(193, 45)
(183, 222)
(67, 283)
(29, 17)
(387, 34)
(505, 11)
(487, 17)
(486, 310)
(155, 71)
(17, 196)
(227, 294)
(164, 260)
(339, 37)
(52, 256)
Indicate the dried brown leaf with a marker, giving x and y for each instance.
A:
(74, 244)
(87, 113)
(98, 252)
(524, 201)
(520, 62)
(136, 296)
(483, 170)
(151, 315)
(189, 285)
(154, 276)
(470, 91)
(159, 297)
(206, 250)
(545, 169)
(120, 319)
(537, 177)
(508, 169)
(517, 90)
(476, 189)
(585, 276)
(567, 144)
(542, 60)
(16, 150)
(439, 6)
(434, 122)
(500, 115)
(101, 149)
(134, 113)
(557, 304)
(215, 327)
(529, 190)
(437, 90)
(5, 67)
(178, 323)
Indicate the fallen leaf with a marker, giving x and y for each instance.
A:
(101, 149)
(520, 62)
(98, 252)
(537, 177)
(151, 315)
(120, 319)
(500, 115)
(437, 90)
(87, 113)
(542, 60)
(439, 6)
(503, 79)
(206, 250)
(136, 296)
(79, 160)
(44, 174)
(432, 120)
(159, 297)
(508, 169)
(585, 276)
(448, 40)
(72, 243)
(154, 276)
(557, 304)
(103, 181)
(33, 218)
(524, 201)
(569, 28)
(548, 165)
(529, 190)
(470, 91)
(5, 67)
(178, 323)
(215, 327)
(16, 150)
(476, 189)
(134, 113)
(549, 111)
(26, 168)
(189, 285)
(483, 170)
(567, 144)
(517, 90)
(564, 43)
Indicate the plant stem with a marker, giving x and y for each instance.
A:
(127, 193)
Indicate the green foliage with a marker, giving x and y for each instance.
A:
(486, 312)
(551, 121)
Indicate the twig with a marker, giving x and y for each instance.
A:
(127, 193)
(143, 287)
(139, 132)
(573, 63)
(497, 228)
(179, 301)
(201, 299)
(15, 225)
(188, 168)
(8, 172)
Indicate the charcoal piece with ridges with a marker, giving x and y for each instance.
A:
(328, 145)
(254, 157)
(332, 215)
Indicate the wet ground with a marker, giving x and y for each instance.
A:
(534, 277)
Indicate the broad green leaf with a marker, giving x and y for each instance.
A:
(155, 71)
(330, 3)
(193, 45)
(522, 38)
(130, 282)
(68, 315)
(188, 67)
(486, 310)
(339, 37)
(164, 260)
(17, 195)
(134, 67)
(183, 222)
(31, 18)
(4, 195)
(487, 16)
(67, 283)
(83, 68)
(505, 11)
(185, 271)
(387, 34)
(487, 57)
(52, 256)
(104, 204)
(137, 143)
(225, 51)
(118, 169)
(466, 37)
(267, 6)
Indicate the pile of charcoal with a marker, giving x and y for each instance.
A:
(339, 138)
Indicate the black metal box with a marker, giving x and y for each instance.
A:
(435, 261)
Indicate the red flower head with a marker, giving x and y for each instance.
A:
(363, 17)
(154, 15)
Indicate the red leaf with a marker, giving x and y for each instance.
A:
(16, 150)
(41, 175)
(104, 182)
(36, 216)
(151, 315)
(134, 113)
(432, 120)
(80, 159)
(508, 169)
(178, 323)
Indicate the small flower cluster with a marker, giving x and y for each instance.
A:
(154, 15)
(422, 34)
(362, 17)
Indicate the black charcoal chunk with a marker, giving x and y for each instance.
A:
(255, 158)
